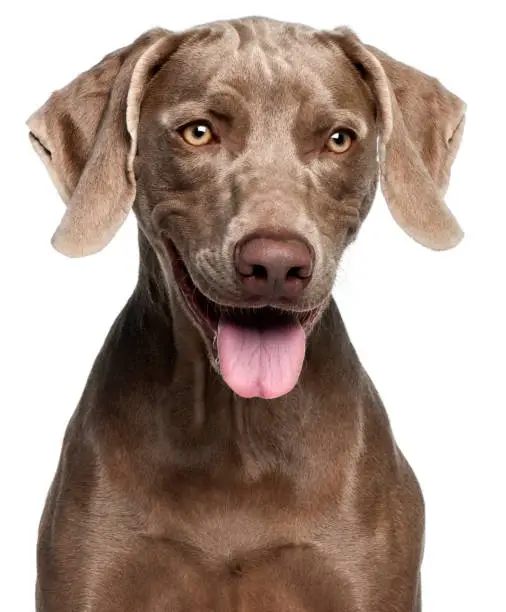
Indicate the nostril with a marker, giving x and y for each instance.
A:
(259, 271)
(298, 272)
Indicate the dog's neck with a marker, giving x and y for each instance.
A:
(190, 416)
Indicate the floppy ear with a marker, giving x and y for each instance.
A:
(86, 135)
(421, 126)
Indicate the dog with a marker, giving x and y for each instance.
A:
(229, 451)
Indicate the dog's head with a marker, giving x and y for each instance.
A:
(250, 151)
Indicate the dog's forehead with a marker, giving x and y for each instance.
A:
(262, 61)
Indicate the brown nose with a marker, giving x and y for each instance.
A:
(274, 267)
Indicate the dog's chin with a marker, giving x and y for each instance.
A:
(257, 349)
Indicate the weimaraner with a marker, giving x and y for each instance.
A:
(229, 451)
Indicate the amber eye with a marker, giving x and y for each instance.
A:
(340, 141)
(197, 133)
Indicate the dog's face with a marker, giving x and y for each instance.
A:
(256, 172)
(266, 143)
(251, 152)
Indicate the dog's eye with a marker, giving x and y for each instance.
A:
(340, 141)
(197, 133)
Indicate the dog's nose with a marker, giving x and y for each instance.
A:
(274, 267)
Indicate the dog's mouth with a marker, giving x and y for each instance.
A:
(260, 350)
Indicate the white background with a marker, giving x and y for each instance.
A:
(429, 327)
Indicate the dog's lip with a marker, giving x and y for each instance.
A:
(208, 312)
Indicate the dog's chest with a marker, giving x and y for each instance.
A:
(250, 571)
(230, 538)
(244, 553)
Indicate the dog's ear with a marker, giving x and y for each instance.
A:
(421, 126)
(86, 135)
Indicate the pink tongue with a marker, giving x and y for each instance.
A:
(261, 363)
